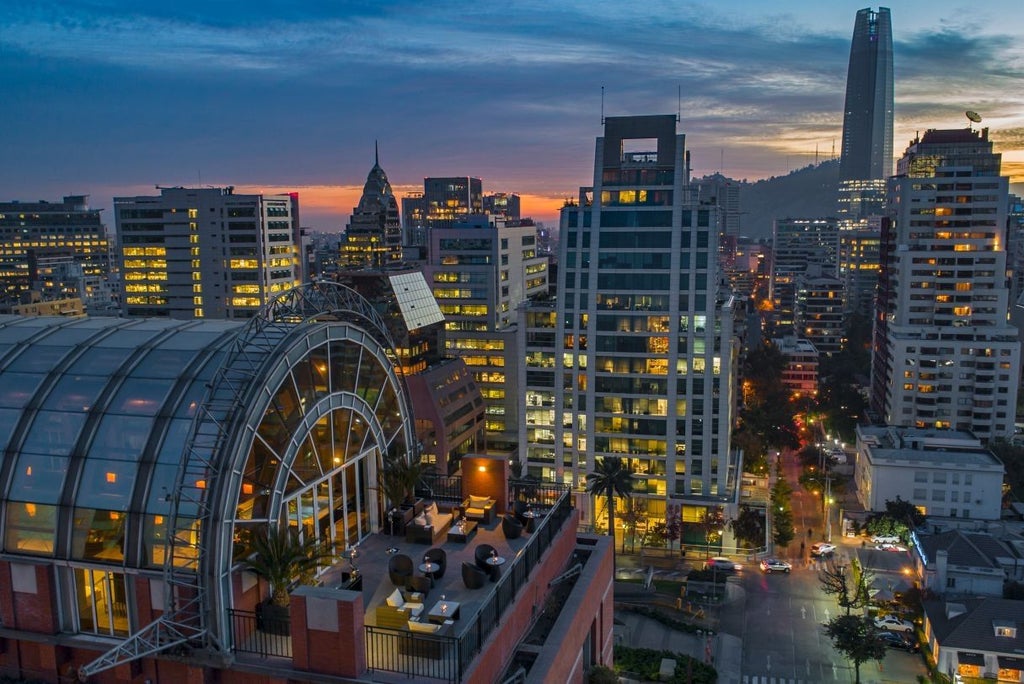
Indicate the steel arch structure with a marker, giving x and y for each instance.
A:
(196, 564)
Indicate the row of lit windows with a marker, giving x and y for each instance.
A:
(144, 251)
(146, 263)
(144, 288)
(135, 299)
(244, 263)
(145, 275)
(246, 301)
(245, 289)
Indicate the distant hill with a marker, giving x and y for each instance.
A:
(809, 192)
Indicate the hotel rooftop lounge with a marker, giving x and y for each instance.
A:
(142, 456)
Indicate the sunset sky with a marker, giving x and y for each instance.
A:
(113, 97)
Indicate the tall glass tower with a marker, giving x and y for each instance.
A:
(867, 119)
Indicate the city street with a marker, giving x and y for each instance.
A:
(780, 616)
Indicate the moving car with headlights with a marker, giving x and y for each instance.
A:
(721, 564)
(771, 565)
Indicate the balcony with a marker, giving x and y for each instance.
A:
(481, 631)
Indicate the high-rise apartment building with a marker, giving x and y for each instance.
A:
(638, 359)
(867, 117)
(798, 244)
(820, 311)
(373, 236)
(36, 236)
(859, 261)
(205, 252)
(944, 354)
(480, 271)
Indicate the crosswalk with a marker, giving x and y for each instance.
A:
(769, 679)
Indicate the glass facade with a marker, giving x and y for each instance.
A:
(103, 419)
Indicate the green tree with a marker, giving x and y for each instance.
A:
(1012, 457)
(856, 638)
(782, 529)
(899, 518)
(748, 526)
(611, 477)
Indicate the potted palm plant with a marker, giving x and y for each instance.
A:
(280, 556)
(398, 479)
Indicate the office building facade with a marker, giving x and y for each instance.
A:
(205, 252)
(641, 357)
(37, 236)
(944, 354)
(798, 244)
(480, 271)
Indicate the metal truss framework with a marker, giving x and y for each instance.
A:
(188, 567)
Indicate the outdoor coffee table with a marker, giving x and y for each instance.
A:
(463, 532)
(443, 610)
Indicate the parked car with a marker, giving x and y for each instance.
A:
(722, 564)
(891, 547)
(894, 624)
(885, 539)
(822, 549)
(770, 565)
(901, 641)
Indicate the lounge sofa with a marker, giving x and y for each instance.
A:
(396, 611)
(423, 641)
(479, 508)
(429, 527)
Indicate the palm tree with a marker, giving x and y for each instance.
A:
(279, 555)
(611, 477)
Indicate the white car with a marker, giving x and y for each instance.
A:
(771, 565)
(722, 564)
(890, 547)
(894, 624)
(822, 549)
(885, 539)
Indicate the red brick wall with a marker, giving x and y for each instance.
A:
(492, 481)
(497, 652)
(340, 653)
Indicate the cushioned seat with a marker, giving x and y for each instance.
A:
(512, 528)
(420, 585)
(473, 577)
(439, 557)
(400, 569)
(480, 555)
(479, 508)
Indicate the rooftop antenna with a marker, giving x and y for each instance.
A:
(815, 154)
(602, 105)
(972, 117)
(679, 102)
(376, 154)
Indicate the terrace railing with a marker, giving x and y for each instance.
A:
(447, 658)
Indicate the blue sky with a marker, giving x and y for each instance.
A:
(112, 97)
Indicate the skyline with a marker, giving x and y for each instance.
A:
(111, 98)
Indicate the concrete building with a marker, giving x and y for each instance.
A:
(959, 563)
(505, 205)
(143, 454)
(797, 245)
(480, 271)
(205, 252)
(34, 236)
(443, 203)
(643, 363)
(944, 355)
(446, 401)
(859, 264)
(820, 311)
(801, 372)
(941, 472)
